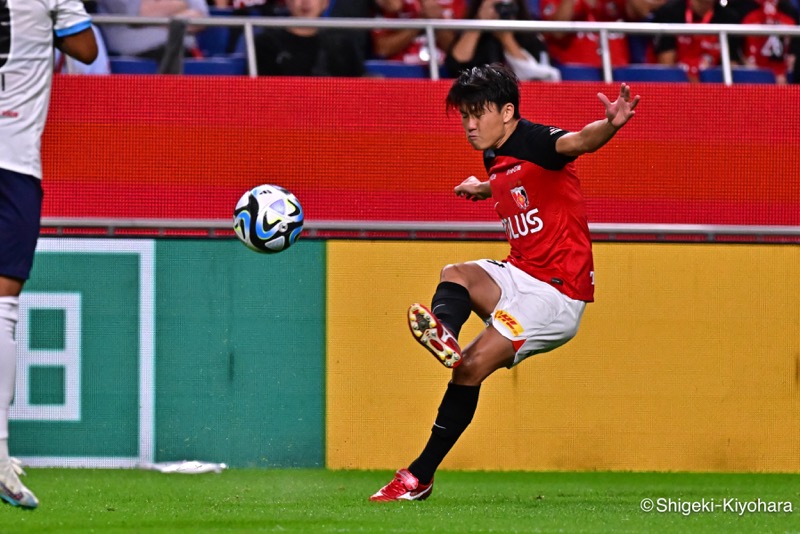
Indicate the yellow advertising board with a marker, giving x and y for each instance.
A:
(689, 360)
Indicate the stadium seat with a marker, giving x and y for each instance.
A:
(132, 65)
(384, 68)
(580, 73)
(220, 11)
(220, 66)
(638, 47)
(650, 73)
(740, 75)
(750, 75)
(213, 41)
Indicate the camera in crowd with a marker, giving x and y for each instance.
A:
(506, 9)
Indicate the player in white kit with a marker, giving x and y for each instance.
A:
(29, 29)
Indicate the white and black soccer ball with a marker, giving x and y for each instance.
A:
(268, 218)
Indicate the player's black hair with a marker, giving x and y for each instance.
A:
(477, 87)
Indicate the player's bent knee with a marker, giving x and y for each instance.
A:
(473, 369)
(451, 273)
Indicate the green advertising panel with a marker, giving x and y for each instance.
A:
(136, 351)
(84, 341)
(241, 351)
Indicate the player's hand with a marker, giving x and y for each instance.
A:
(620, 110)
(473, 189)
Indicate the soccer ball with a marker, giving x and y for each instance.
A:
(268, 218)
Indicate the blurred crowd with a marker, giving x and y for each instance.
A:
(533, 56)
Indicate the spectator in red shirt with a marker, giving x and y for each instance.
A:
(768, 51)
(692, 52)
(584, 48)
(411, 46)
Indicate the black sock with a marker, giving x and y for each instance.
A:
(455, 414)
(451, 305)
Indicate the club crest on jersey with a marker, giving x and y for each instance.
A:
(520, 197)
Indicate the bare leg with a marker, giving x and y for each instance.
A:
(486, 354)
(483, 290)
(10, 287)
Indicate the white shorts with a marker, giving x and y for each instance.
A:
(535, 316)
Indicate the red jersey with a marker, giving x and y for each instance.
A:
(584, 48)
(538, 198)
(693, 52)
(418, 51)
(698, 52)
(769, 51)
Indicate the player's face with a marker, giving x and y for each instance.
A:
(486, 127)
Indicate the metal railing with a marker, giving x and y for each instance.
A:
(223, 227)
(412, 229)
(604, 29)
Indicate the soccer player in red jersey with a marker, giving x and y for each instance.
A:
(583, 48)
(533, 300)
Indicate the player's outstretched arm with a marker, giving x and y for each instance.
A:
(82, 46)
(598, 133)
(473, 189)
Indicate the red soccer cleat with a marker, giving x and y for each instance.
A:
(404, 487)
(433, 335)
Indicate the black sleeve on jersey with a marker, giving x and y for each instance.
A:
(540, 146)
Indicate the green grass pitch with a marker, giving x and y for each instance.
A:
(304, 500)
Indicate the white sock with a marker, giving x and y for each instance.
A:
(8, 364)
